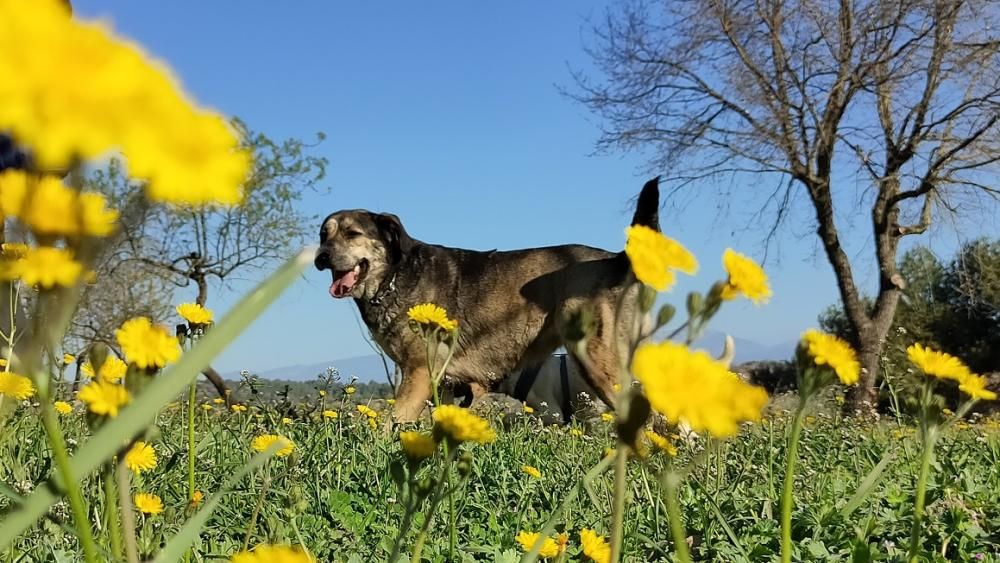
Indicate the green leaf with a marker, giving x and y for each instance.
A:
(866, 486)
(143, 410)
(178, 544)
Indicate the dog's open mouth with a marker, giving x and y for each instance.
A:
(344, 281)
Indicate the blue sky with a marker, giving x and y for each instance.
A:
(448, 114)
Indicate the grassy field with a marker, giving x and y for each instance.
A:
(335, 493)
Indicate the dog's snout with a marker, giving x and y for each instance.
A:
(322, 260)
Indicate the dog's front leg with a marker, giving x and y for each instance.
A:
(412, 395)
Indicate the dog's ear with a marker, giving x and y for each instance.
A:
(397, 240)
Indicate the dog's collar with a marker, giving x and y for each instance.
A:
(384, 291)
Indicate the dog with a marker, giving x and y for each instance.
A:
(511, 306)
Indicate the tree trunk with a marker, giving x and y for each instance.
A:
(209, 372)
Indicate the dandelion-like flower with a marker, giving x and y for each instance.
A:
(140, 457)
(745, 277)
(350, 389)
(68, 359)
(417, 445)
(661, 443)
(527, 410)
(239, 408)
(331, 415)
(44, 266)
(263, 442)
(148, 503)
(429, 314)
(15, 386)
(692, 387)
(112, 370)
(461, 425)
(594, 546)
(147, 345)
(62, 407)
(550, 548)
(655, 257)
(975, 387)
(194, 313)
(367, 411)
(607, 417)
(273, 554)
(827, 349)
(196, 498)
(531, 471)
(104, 398)
(937, 364)
(54, 209)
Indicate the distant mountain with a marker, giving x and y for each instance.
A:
(370, 368)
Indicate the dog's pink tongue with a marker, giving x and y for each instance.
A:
(344, 284)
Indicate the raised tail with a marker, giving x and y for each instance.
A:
(647, 209)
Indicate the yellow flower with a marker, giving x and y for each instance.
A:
(15, 386)
(112, 370)
(147, 345)
(273, 554)
(746, 277)
(82, 92)
(350, 389)
(975, 387)
(11, 250)
(140, 457)
(286, 420)
(206, 407)
(594, 546)
(575, 432)
(194, 313)
(48, 207)
(367, 411)
(104, 398)
(527, 540)
(461, 425)
(531, 471)
(417, 445)
(654, 257)
(218, 400)
(264, 441)
(330, 414)
(527, 410)
(239, 408)
(196, 498)
(44, 266)
(661, 443)
(322, 393)
(692, 387)
(607, 417)
(390, 401)
(68, 359)
(148, 503)
(937, 364)
(431, 315)
(62, 407)
(827, 349)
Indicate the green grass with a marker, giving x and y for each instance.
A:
(336, 493)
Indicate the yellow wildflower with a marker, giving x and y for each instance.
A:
(206, 407)
(147, 345)
(367, 411)
(44, 266)
(239, 408)
(654, 257)
(273, 554)
(417, 445)
(286, 420)
(661, 443)
(431, 315)
(594, 546)
(576, 432)
(322, 393)
(112, 370)
(531, 471)
(148, 503)
(62, 407)
(218, 400)
(104, 398)
(527, 410)
(746, 277)
(827, 349)
(15, 386)
(264, 441)
(82, 92)
(937, 364)
(390, 401)
(607, 417)
(140, 457)
(12, 250)
(330, 414)
(461, 425)
(692, 387)
(350, 389)
(68, 359)
(48, 207)
(527, 540)
(975, 387)
(194, 313)
(196, 498)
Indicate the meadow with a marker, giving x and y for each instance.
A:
(335, 493)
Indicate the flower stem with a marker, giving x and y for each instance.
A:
(670, 483)
(256, 512)
(789, 483)
(929, 437)
(128, 518)
(70, 485)
(440, 489)
(190, 436)
(111, 519)
(618, 507)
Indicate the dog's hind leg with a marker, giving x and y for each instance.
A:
(413, 394)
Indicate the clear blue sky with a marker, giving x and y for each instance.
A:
(448, 114)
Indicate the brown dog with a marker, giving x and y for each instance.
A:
(510, 305)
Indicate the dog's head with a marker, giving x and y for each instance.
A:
(360, 248)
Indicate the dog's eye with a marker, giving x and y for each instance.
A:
(352, 234)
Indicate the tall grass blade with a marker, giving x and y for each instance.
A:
(866, 486)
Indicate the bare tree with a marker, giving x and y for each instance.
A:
(196, 246)
(899, 96)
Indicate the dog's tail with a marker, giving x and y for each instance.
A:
(647, 209)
